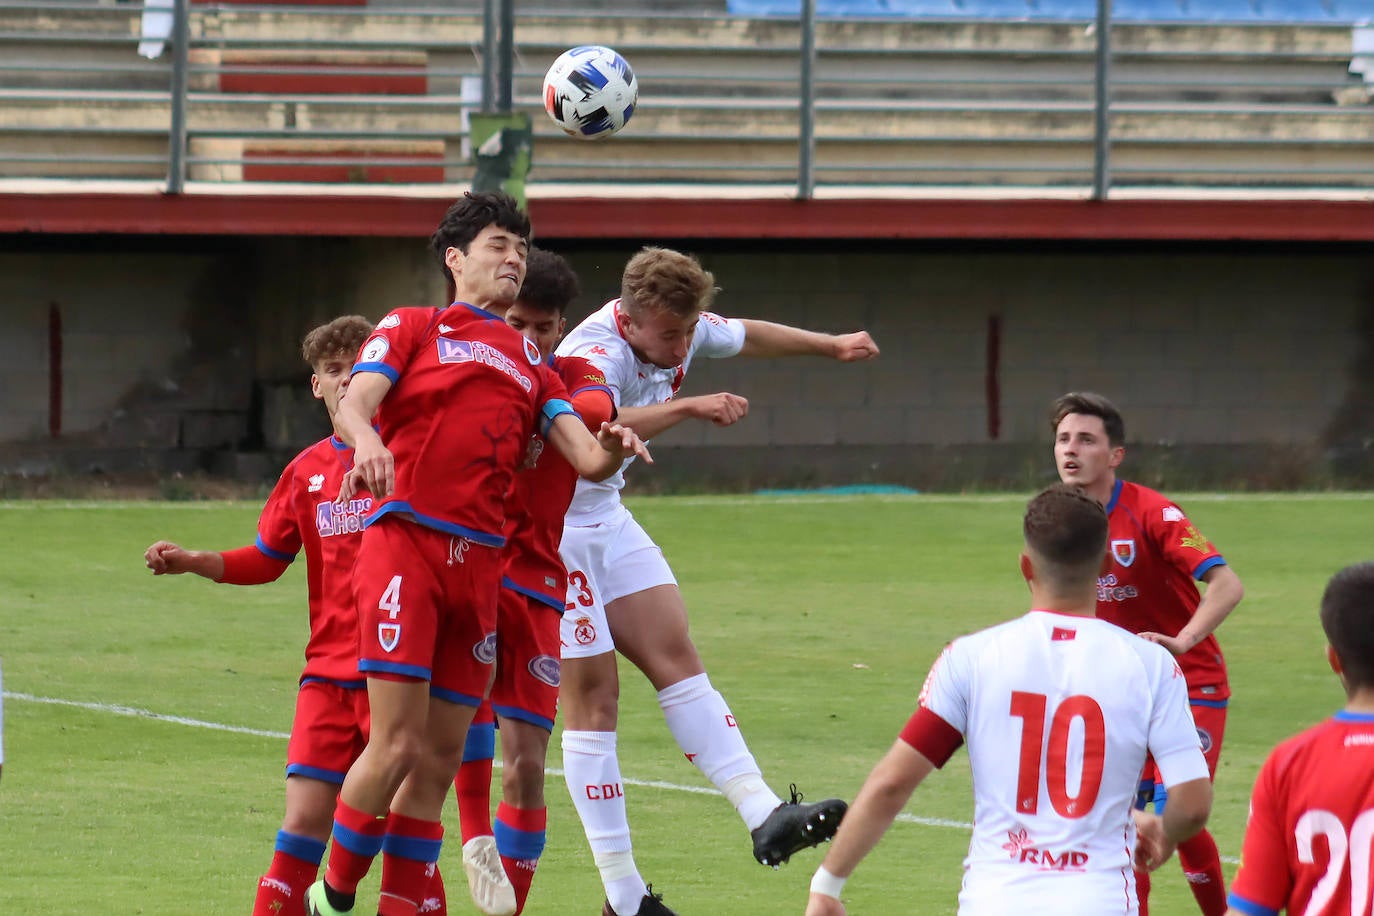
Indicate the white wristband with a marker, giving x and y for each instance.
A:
(823, 882)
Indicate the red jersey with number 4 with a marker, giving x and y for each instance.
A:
(1157, 553)
(1309, 844)
(1059, 712)
(467, 392)
(300, 513)
(539, 499)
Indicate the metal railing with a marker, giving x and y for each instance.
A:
(314, 93)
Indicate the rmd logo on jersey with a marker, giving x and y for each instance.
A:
(342, 518)
(474, 351)
(1023, 850)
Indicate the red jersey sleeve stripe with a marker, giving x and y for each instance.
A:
(933, 737)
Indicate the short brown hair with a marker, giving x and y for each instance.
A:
(1093, 405)
(660, 279)
(340, 337)
(550, 282)
(1348, 620)
(1067, 529)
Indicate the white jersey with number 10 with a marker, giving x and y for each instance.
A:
(1058, 713)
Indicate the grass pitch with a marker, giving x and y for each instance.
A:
(145, 719)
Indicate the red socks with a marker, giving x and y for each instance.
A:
(1202, 866)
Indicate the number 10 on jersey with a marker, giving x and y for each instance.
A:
(1052, 759)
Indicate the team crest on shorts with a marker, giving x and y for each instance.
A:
(584, 632)
(485, 651)
(546, 668)
(1205, 737)
(1124, 551)
(388, 635)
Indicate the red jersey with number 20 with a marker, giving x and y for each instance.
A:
(466, 394)
(300, 513)
(1309, 845)
(1157, 553)
(539, 499)
(1059, 712)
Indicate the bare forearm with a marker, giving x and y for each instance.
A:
(656, 418)
(768, 339)
(351, 426)
(1224, 592)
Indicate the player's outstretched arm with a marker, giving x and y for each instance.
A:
(595, 457)
(765, 338)
(373, 467)
(167, 559)
(884, 794)
(1224, 591)
(722, 409)
(1190, 804)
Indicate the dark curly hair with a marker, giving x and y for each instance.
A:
(550, 283)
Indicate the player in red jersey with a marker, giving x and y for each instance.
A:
(455, 394)
(330, 725)
(525, 692)
(1157, 554)
(1309, 844)
(1084, 701)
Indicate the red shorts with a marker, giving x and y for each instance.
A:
(328, 732)
(1211, 728)
(427, 608)
(527, 666)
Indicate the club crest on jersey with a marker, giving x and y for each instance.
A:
(1123, 551)
(485, 649)
(584, 631)
(1205, 737)
(532, 352)
(545, 668)
(388, 635)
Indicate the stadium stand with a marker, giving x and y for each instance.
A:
(1328, 11)
(376, 95)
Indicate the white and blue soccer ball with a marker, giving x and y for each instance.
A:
(590, 92)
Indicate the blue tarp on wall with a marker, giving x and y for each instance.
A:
(1313, 11)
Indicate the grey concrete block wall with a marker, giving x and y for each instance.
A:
(1201, 348)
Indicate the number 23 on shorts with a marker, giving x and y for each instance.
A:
(584, 597)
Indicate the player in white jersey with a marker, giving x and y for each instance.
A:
(1059, 710)
(621, 593)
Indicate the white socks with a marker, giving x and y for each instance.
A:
(706, 731)
(592, 772)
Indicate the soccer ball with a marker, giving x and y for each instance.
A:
(590, 92)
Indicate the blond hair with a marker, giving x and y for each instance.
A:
(663, 280)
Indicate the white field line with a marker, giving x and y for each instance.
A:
(137, 713)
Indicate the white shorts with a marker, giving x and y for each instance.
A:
(605, 561)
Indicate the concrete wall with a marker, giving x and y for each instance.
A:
(1233, 360)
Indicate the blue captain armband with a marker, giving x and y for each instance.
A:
(552, 409)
